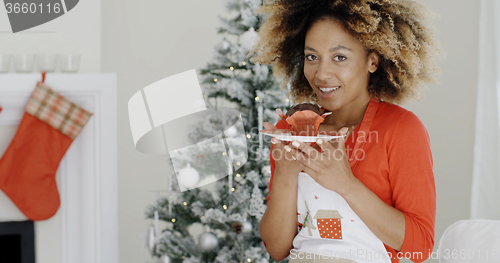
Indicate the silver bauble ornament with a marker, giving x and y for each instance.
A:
(207, 241)
(246, 227)
(188, 177)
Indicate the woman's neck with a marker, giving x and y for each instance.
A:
(349, 115)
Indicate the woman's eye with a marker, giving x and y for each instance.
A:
(310, 57)
(339, 58)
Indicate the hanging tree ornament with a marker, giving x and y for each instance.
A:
(201, 159)
(188, 177)
(170, 194)
(151, 238)
(246, 227)
(236, 227)
(266, 170)
(231, 132)
(166, 259)
(157, 220)
(207, 241)
(230, 170)
(224, 45)
(249, 39)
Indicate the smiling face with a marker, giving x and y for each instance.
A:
(337, 66)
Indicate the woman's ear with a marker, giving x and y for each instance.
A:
(373, 61)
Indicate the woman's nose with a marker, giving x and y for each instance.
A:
(325, 71)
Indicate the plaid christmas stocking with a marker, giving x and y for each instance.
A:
(28, 167)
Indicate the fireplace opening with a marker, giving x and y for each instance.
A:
(10, 245)
(17, 242)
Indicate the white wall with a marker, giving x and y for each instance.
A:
(78, 31)
(448, 110)
(144, 42)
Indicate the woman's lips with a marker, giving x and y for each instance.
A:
(328, 91)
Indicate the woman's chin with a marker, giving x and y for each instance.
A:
(329, 104)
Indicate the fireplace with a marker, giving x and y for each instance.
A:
(17, 242)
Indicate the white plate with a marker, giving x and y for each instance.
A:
(286, 135)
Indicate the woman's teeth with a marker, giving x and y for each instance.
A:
(327, 90)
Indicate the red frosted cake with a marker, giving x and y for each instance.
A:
(304, 119)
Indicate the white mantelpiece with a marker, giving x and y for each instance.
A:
(87, 221)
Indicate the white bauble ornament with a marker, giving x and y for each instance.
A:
(224, 45)
(246, 227)
(231, 132)
(266, 170)
(249, 39)
(207, 241)
(188, 177)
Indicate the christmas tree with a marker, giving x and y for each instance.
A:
(231, 213)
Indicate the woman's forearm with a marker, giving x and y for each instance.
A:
(278, 225)
(385, 221)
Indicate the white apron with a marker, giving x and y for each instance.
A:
(331, 228)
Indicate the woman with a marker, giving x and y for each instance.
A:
(373, 189)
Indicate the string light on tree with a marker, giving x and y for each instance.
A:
(215, 80)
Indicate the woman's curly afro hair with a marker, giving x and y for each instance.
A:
(395, 29)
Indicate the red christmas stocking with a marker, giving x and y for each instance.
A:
(28, 168)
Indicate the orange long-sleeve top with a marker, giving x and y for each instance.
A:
(392, 157)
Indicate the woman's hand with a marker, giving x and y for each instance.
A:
(283, 160)
(330, 167)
